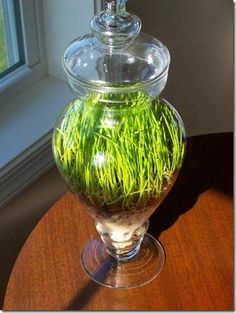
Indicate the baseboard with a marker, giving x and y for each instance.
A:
(21, 172)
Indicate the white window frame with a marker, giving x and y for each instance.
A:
(35, 66)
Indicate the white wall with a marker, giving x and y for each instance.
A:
(64, 21)
(199, 35)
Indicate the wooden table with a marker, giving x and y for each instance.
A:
(194, 224)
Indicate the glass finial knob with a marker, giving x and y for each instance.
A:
(116, 27)
(116, 6)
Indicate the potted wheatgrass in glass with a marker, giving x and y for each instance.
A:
(118, 145)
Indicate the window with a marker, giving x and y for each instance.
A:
(33, 94)
(22, 52)
(11, 41)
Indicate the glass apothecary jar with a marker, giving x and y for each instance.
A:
(119, 146)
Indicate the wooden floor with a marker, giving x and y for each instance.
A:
(18, 219)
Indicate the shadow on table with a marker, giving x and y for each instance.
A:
(90, 289)
(85, 295)
(208, 164)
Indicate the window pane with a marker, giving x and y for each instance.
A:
(11, 44)
(3, 53)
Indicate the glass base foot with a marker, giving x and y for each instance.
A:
(111, 272)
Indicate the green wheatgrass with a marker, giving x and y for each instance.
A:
(118, 148)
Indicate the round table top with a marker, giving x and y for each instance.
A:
(194, 224)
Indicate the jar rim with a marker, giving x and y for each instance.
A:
(105, 88)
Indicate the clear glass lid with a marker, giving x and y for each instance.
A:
(116, 52)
